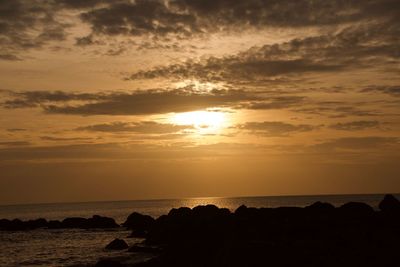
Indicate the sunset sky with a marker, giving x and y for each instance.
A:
(145, 99)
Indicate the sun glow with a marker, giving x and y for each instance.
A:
(207, 121)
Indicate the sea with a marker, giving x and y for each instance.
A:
(75, 247)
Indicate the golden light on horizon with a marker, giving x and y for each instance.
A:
(203, 121)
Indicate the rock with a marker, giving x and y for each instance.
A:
(95, 222)
(143, 249)
(137, 221)
(117, 244)
(108, 263)
(74, 222)
(138, 234)
(35, 224)
(4, 224)
(54, 224)
(356, 209)
(16, 225)
(389, 204)
(101, 222)
(320, 207)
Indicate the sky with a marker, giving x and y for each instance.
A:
(149, 99)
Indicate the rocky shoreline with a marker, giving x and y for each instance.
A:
(353, 234)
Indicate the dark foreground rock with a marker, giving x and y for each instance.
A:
(390, 204)
(96, 221)
(145, 249)
(117, 244)
(318, 235)
(18, 225)
(109, 263)
(139, 222)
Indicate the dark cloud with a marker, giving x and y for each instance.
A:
(134, 103)
(354, 47)
(153, 101)
(117, 151)
(390, 90)
(27, 24)
(9, 57)
(274, 128)
(275, 102)
(355, 125)
(235, 68)
(190, 17)
(144, 127)
(16, 130)
(36, 98)
(338, 109)
(358, 143)
(14, 143)
(59, 139)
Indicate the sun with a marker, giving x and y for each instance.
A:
(205, 121)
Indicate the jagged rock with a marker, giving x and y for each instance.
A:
(144, 249)
(54, 224)
(117, 244)
(389, 204)
(320, 207)
(101, 222)
(356, 209)
(109, 263)
(74, 222)
(138, 234)
(137, 221)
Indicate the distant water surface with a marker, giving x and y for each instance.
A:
(79, 247)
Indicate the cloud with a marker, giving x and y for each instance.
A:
(120, 151)
(235, 68)
(36, 98)
(137, 102)
(275, 102)
(9, 57)
(16, 130)
(27, 24)
(60, 139)
(186, 18)
(357, 143)
(14, 143)
(390, 90)
(143, 127)
(353, 47)
(152, 101)
(338, 109)
(355, 125)
(274, 128)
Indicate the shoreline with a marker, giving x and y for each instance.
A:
(209, 235)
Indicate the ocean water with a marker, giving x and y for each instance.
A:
(75, 247)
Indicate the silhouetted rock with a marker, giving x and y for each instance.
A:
(138, 233)
(81, 223)
(35, 224)
(137, 221)
(317, 235)
(390, 204)
(144, 249)
(4, 224)
(54, 224)
(356, 209)
(95, 222)
(109, 263)
(74, 222)
(117, 244)
(101, 222)
(320, 207)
